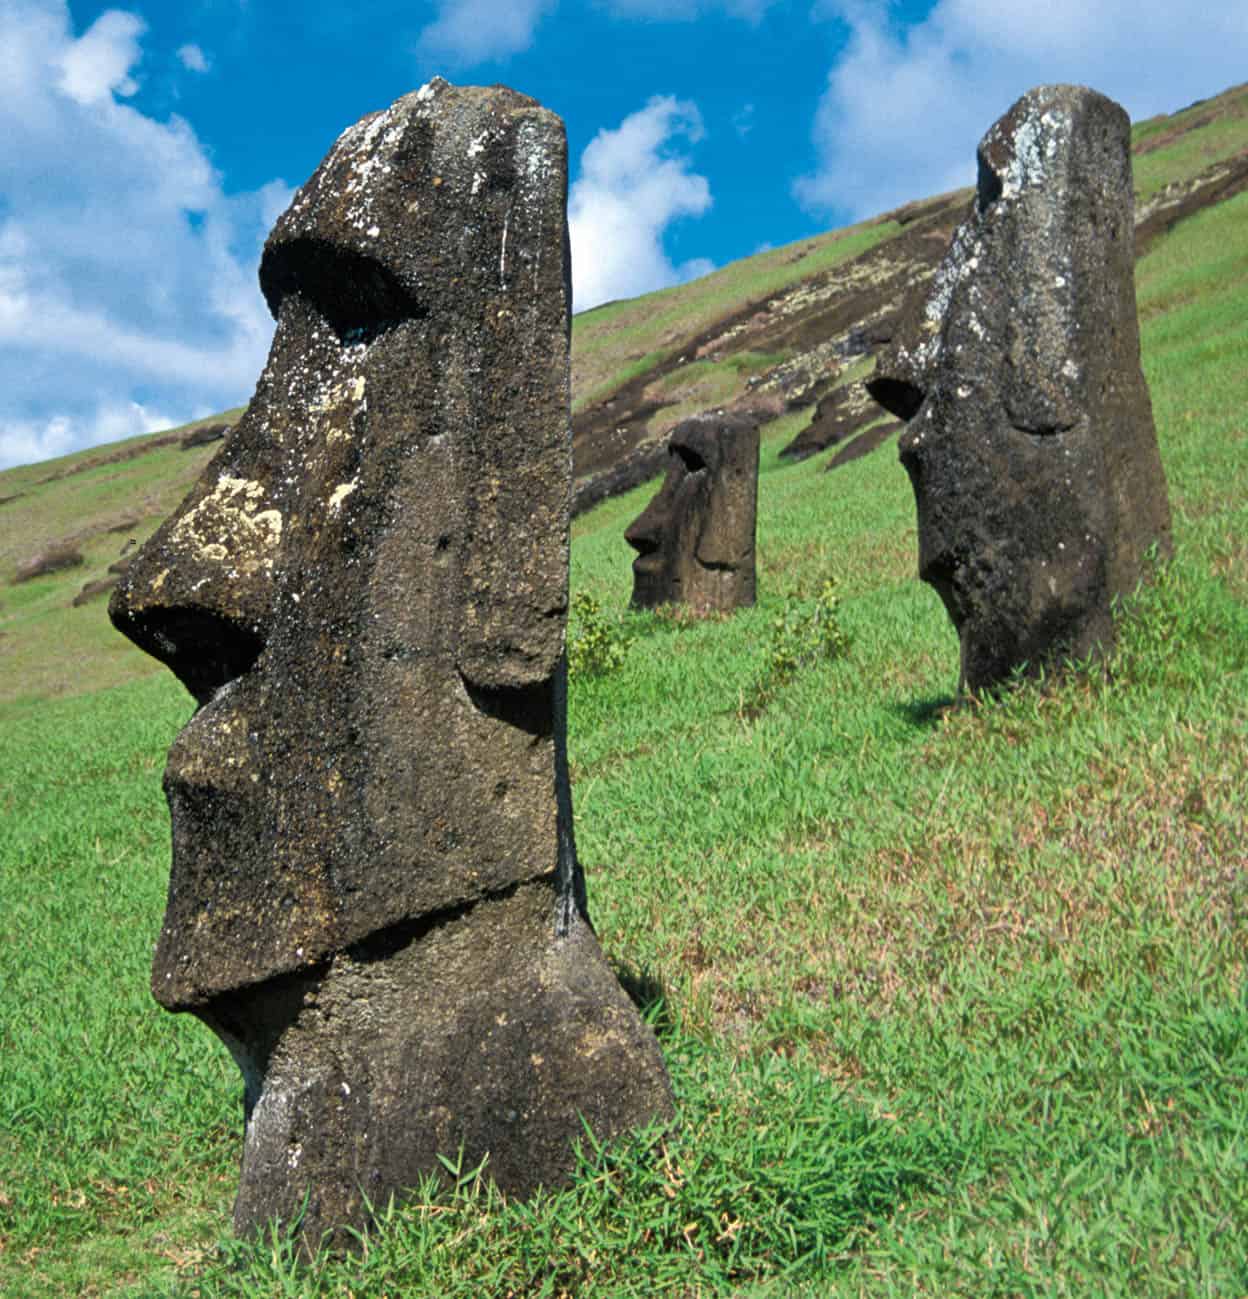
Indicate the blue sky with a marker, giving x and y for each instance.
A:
(146, 148)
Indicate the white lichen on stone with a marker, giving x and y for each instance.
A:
(1036, 144)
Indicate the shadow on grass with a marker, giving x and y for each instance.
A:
(926, 712)
(649, 994)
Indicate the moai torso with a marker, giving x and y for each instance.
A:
(695, 540)
(375, 899)
(1030, 441)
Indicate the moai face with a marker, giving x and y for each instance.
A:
(1030, 441)
(695, 540)
(366, 593)
(377, 546)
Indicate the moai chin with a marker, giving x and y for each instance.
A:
(1030, 441)
(695, 540)
(375, 900)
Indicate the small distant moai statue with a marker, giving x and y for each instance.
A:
(695, 540)
(375, 900)
(1030, 441)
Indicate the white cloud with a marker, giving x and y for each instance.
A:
(98, 63)
(631, 186)
(474, 31)
(128, 296)
(193, 58)
(904, 108)
(31, 441)
(686, 10)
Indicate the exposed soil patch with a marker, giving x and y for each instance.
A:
(638, 466)
(843, 412)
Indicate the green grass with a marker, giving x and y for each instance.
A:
(47, 647)
(1191, 153)
(954, 1000)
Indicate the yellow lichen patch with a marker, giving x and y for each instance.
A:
(340, 494)
(229, 524)
(212, 749)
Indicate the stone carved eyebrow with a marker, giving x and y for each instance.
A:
(357, 295)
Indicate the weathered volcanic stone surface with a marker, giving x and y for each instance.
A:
(840, 414)
(375, 899)
(695, 540)
(1030, 441)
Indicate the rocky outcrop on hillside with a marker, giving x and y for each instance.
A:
(822, 326)
(1183, 198)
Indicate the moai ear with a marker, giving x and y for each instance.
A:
(518, 442)
(727, 538)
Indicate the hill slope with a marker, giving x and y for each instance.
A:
(788, 333)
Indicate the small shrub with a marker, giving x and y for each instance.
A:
(808, 632)
(595, 646)
(803, 635)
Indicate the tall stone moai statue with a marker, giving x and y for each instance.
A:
(695, 540)
(375, 900)
(1030, 442)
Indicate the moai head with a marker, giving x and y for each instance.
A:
(695, 540)
(366, 594)
(1030, 441)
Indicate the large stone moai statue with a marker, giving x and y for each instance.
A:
(695, 540)
(375, 900)
(1030, 444)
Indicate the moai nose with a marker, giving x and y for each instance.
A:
(198, 594)
(643, 533)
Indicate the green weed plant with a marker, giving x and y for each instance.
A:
(596, 645)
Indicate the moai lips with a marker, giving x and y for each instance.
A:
(375, 899)
(1030, 441)
(695, 540)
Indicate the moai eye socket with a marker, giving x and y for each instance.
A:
(359, 298)
(896, 395)
(692, 461)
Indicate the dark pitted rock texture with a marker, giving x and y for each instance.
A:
(695, 540)
(375, 899)
(1030, 441)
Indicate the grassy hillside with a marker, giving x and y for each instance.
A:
(954, 1000)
